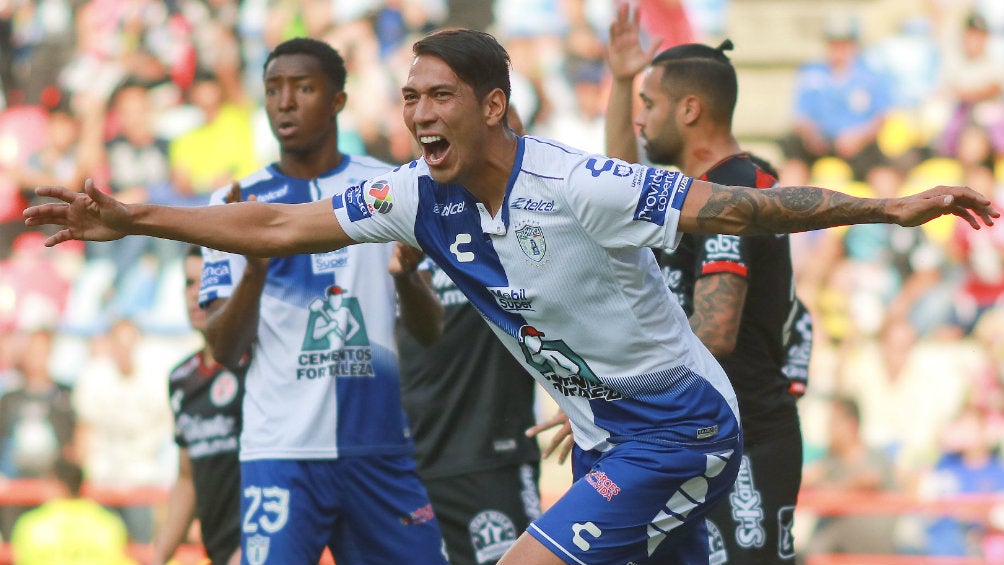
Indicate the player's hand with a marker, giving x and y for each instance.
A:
(404, 260)
(234, 195)
(562, 439)
(90, 215)
(625, 54)
(961, 201)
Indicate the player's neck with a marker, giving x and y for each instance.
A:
(492, 178)
(311, 163)
(706, 152)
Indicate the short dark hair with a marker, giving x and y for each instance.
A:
(71, 475)
(331, 61)
(475, 56)
(702, 70)
(849, 406)
(193, 250)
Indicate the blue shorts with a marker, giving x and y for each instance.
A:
(640, 503)
(371, 510)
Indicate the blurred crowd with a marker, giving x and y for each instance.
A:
(160, 101)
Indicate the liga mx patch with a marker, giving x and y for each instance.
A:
(378, 197)
(660, 191)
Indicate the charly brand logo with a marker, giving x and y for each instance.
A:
(584, 527)
(531, 241)
(462, 256)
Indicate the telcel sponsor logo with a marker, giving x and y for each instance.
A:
(512, 299)
(530, 204)
(448, 209)
(273, 195)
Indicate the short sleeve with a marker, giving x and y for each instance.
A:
(627, 205)
(221, 271)
(722, 253)
(381, 209)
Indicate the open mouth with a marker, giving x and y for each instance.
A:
(434, 149)
(285, 129)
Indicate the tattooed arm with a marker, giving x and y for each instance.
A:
(718, 308)
(713, 208)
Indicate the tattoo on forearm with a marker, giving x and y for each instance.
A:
(718, 305)
(781, 210)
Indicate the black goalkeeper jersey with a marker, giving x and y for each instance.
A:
(755, 366)
(467, 399)
(206, 402)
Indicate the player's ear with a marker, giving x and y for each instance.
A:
(494, 106)
(337, 103)
(690, 109)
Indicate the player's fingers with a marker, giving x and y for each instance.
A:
(51, 213)
(57, 238)
(59, 192)
(566, 449)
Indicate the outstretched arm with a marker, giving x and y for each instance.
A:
(249, 228)
(714, 208)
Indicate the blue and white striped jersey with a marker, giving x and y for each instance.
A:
(563, 275)
(323, 380)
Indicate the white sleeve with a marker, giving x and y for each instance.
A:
(627, 205)
(381, 209)
(221, 271)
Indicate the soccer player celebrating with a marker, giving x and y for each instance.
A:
(566, 283)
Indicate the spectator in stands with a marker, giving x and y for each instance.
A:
(840, 106)
(970, 464)
(852, 467)
(37, 421)
(973, 82)
(124, 420)
(219, 150)
(58, 161)
(139, 170)
(70, 529)
(36, 284)
(981, 255)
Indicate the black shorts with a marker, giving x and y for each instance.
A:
(481, 514)
(753, 524)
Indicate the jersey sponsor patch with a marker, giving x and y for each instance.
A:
(216, 274)
(224, 389)
(524, 203)
(325, 263)
(660, 190)
(378, 197)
